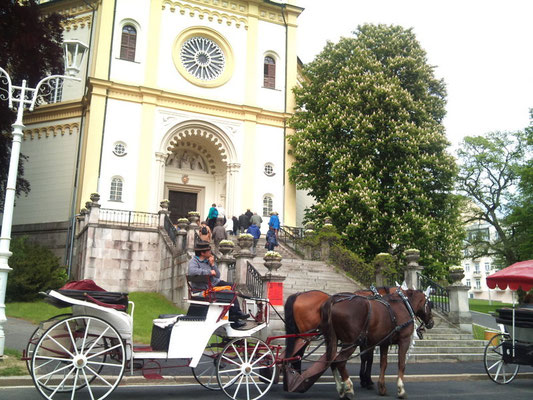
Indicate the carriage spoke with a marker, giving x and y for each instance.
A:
(105, 351)
(104, 363)
(99, 376)
(51, 359)
(96, 341)
(55, 371)
(60, 345)
(237, 353)
(72, 338)
(62, 383)
(88, 384)
(74, 385)
(230, 360)
(85, 336)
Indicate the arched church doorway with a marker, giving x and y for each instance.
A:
(198, 170)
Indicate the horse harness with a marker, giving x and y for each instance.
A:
(363, 336)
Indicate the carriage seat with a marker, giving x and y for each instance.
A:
(211, 294)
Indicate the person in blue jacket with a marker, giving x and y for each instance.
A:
(256, 233)
(271, 240)
(212, 217)
(274, 222)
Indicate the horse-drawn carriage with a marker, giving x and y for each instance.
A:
(512, 347)
(86, 353)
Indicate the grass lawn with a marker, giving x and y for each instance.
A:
(11, 365)
(483, 306)
(147, 307)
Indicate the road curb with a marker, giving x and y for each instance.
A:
(12, 381)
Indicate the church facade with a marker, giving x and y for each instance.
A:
(180, 100)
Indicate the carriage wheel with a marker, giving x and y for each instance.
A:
(36, 335)
(205, 372)
(497, 369)
(246, 368)
(77, 352)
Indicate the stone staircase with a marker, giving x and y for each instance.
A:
(443, 343)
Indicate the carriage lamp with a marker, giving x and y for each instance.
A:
(19, 98)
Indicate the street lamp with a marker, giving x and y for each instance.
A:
(20, 97)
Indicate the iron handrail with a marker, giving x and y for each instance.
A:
(170, 229)
(254, 283)
(439, 295)
(129, 218)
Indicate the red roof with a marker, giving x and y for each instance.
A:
(519, 274)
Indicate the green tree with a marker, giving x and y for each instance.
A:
(369, 146)
(35, 269)
(520, 219)
(489, 175)
(30, 48)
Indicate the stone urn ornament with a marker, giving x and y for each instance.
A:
(245, 241)
(164, 204)
(456, 275)
(272, 261)
(194, 217)
(412, 256)
(182, 223)
(226, 247)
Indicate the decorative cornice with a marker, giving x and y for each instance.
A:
(192, 104)
(75, 23)
(47, 131)
(54, 112)
(210, 15)
(69, 8)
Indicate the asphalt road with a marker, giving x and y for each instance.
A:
(519, 389)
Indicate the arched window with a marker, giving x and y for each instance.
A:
(269, 75)
(267, 205)
(115, 194)
(128, 43)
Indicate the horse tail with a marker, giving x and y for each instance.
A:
(290, 324)
(327, 329)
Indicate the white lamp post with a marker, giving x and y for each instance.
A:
(20, 97)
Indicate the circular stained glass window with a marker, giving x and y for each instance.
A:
(202, 58)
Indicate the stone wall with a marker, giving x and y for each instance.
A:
(52, 235)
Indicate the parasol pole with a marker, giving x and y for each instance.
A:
(512, 292)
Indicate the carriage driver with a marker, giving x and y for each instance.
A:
(203, 263)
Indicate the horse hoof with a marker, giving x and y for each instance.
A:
(402, 396)
(348, 396)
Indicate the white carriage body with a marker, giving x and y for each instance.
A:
(188, 338)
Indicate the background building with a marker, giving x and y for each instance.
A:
(179, 100)
(477, 269)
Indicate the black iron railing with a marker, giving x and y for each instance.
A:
(291, 236)
(135, 219)
(254, 283)
(171, 229)
(439, 295)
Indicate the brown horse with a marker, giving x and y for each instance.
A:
(302, 315)
(358, 321)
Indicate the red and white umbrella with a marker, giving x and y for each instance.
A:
(518, 275)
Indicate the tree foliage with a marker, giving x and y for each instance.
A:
(369, 146)
(490, 166)
(35, 269)
(520, 219)
(30, 48)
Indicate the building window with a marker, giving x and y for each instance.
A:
(269, 169)
(269, 74)
(128, 43)
(476, 268)
(468, 283)
(478, 284)
(467, 267)
(115, 194)
(119, 149)
(267, 205)
(487, 267)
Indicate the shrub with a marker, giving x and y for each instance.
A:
(352, 264)
(35, 269)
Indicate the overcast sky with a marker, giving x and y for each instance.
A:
(483, 49)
